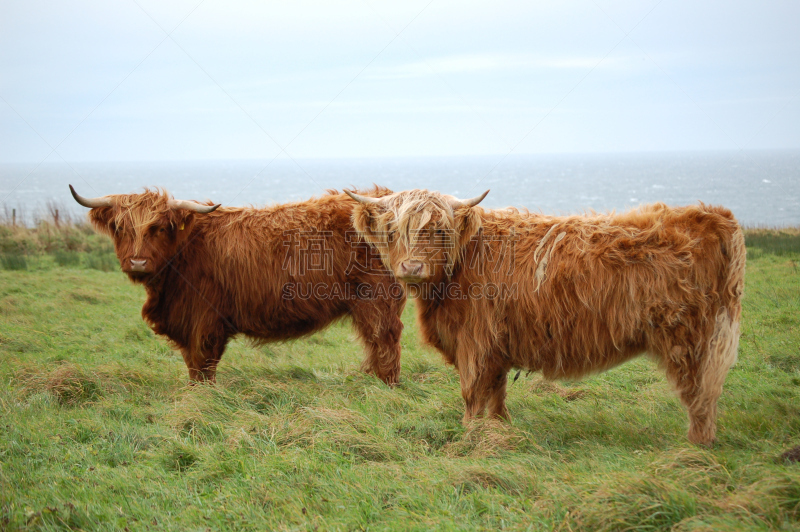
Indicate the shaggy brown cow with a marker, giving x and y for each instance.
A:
(567, 296)
(271, 274)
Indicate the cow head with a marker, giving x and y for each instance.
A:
(147, 229)
(419, 234)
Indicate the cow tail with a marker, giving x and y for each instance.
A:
(722, 346)
(724, 342)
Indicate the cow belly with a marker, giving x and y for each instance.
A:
(291, 320)
(573, 365)
(574, 360)
(574, 348)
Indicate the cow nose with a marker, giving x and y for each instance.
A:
(138, 265)
(411, 268)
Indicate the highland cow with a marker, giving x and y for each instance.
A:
(568, 296)
(270, 274)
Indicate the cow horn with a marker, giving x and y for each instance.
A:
(91, 203)
(362, 199)
(456, 203)
(192, 206)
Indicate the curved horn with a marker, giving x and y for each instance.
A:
(455, 204)
(361, 199)
(91, 203)
(192, 206)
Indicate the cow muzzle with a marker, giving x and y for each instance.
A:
(412, 270)
(138, 265)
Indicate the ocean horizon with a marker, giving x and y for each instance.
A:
(762, 188)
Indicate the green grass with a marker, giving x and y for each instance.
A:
(98, 430)
(785, 242)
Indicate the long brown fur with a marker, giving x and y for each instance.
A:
(583, 293)
(213, 276)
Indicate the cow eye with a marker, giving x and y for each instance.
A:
(162, 230)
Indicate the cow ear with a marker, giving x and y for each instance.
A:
(468, 223)
(183, 222)
(102, 218)
(363, 221)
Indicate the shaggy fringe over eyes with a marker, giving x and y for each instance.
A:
(136, 213)
(411, 211)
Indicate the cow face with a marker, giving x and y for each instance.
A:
(418, 233)
(148, 229)
(143, 241)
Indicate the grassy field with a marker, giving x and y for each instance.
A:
(98, 430)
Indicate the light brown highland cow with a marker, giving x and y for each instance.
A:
(567, 296)
(270, 274)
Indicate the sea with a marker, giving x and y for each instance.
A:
(762, 188)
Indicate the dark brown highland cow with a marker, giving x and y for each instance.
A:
(271, 274)
(567, 296)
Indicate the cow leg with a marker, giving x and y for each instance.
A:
(379, 326)
(699, 381)
(194, 363)
(701, 404)
(202, 360)
(485, 390)
(497, 397)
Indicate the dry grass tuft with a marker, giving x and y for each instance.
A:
(775, 498)
(688, 459)
(200, 412)
(69, 384)
(486, 437)
(636, 502)
(336, 416)
(544, 387)
(72, 385)
(352, 433)
(478, 478)
(288, 430)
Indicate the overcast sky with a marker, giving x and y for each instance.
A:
(152, 80)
